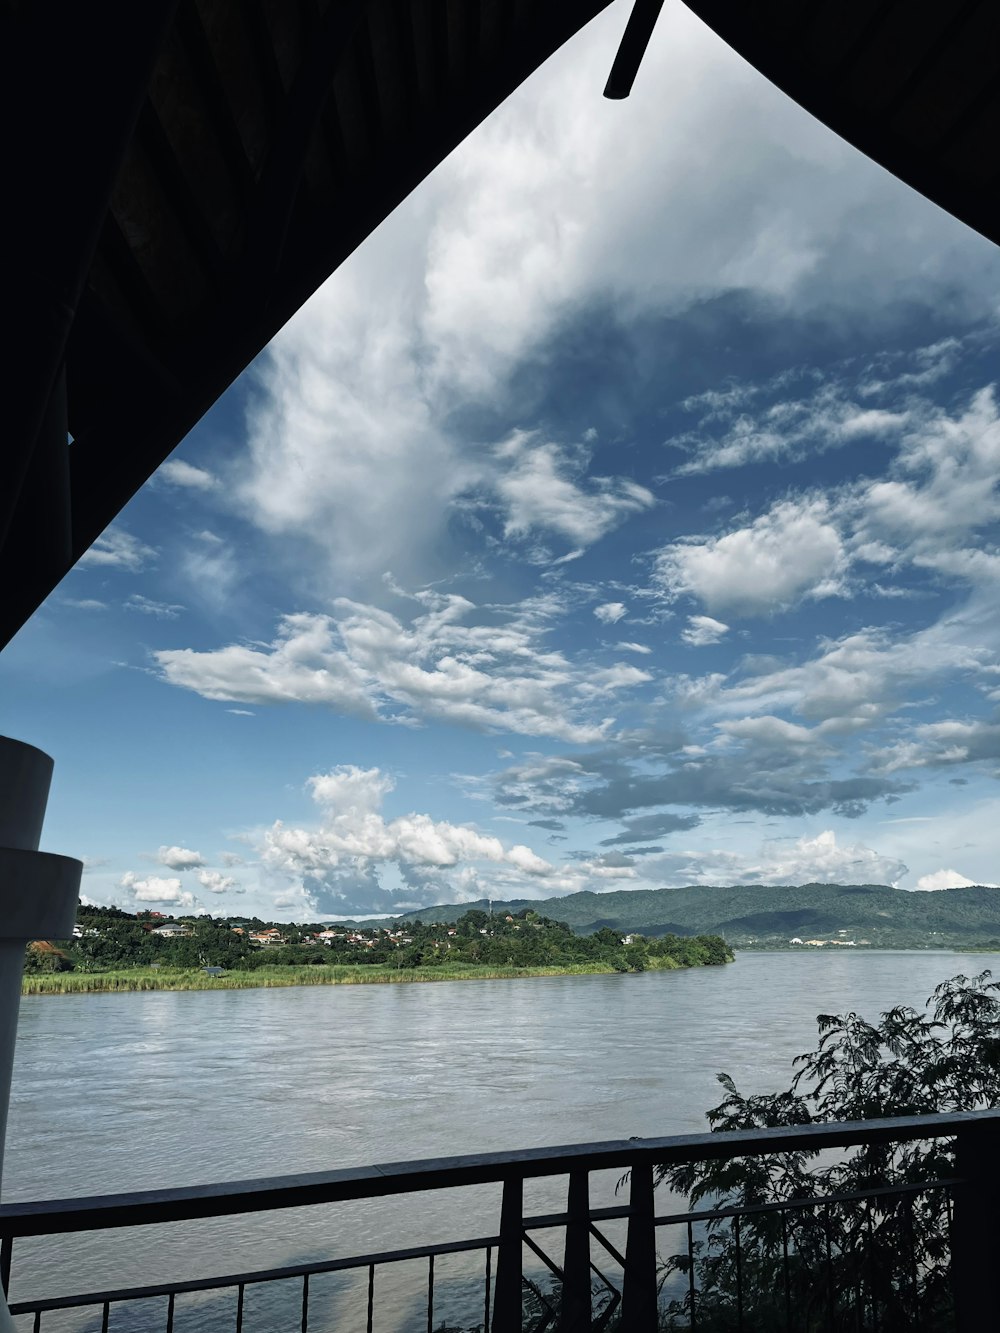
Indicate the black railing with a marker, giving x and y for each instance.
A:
(810, 1282)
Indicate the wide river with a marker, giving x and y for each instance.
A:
(134, 1091)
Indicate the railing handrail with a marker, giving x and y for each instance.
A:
(540, 1222)
(150, 1207)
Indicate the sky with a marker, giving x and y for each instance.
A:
(622, 514)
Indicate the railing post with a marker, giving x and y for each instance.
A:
(575, 1309)
(507, 1293)
(639, 1293)
(975, 1231)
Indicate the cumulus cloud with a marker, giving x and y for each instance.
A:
(943, 879)
(939, 495)
(339, 861)
(790, 552)
(179, 858)
(216, 882)
(804, 860)
(118, 549)
(487, 668)
(609, 613)
(156, 889)
(703, 630)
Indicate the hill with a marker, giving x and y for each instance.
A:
(774, 915)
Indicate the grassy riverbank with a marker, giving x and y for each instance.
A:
(147, 978)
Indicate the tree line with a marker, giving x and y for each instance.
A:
(114, 939)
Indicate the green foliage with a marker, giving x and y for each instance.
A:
(866, 1262)
(113, 940)
(36, 962)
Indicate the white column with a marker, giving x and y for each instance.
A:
(38, 896)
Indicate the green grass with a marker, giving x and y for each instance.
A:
(321, 974)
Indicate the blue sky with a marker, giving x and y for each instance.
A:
(623, 514)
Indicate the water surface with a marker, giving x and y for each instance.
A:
(147, 1089)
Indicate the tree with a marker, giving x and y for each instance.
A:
(875, 1261)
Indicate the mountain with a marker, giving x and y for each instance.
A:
(872, 914)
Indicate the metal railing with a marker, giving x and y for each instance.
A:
(579, 1294)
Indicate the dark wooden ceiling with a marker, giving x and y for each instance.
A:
(913, 84)
(183, 174)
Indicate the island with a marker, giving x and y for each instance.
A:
(114, 950)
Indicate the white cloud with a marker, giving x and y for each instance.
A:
(487, 668)
(702, 630)
(304, 664)
(609, 613)
(179, 858)
(940, 744)
(155, 889)
(354, 839)
(805, 860)
(755, 430)
(216, 882)
(946, 481)
(627, 647)
(558, 200)
(179, 473)
(943, 879)
(117, 549)
(790, 552)
(148, 607)
(538, 485)
(931, 511)
(823, 860)
(854, 681)
(773, 732)
(212, 570)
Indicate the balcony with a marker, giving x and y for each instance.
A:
(824, 1262)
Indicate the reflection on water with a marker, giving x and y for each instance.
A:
(131, 1091)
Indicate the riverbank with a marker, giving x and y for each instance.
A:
(177, 979)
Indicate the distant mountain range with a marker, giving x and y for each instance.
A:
(775, 915)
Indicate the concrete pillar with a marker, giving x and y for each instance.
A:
(38, 897)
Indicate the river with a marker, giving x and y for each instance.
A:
(149, 1089)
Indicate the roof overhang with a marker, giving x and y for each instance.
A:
(188, 172)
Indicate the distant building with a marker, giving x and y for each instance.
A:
(213, 971)
(271, 936)
(171, 930)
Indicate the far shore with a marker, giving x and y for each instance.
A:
(178, 979)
